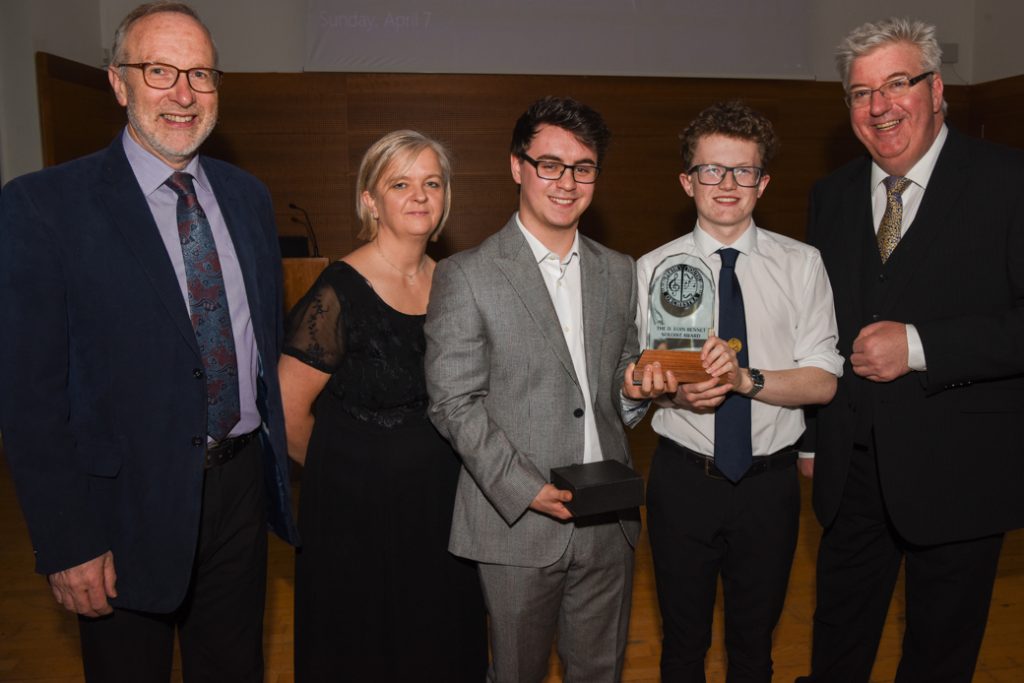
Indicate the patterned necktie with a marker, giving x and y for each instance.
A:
(892, 219)
(733, 449)
(208, 304)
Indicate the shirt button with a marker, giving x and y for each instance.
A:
(578, 412)
(198, 441)
(197, 373)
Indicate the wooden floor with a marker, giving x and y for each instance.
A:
(39, 642)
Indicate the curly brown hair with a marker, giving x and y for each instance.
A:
(732, 119)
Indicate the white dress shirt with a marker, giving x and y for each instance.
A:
(791, 323)
(919, 176)
(564, 284)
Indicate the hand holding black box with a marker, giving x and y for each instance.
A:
(598, 487)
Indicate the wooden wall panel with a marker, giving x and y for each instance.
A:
(77, 110)
(304, 135)
(997, 109)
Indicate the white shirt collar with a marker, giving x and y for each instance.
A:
(708, 245)
(540, 252)
(921, 172)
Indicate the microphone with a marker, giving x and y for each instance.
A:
(304, 221)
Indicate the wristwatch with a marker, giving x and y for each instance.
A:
(757, 379)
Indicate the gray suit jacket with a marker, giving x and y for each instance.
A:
(503, 389)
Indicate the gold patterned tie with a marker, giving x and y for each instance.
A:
(892, 219)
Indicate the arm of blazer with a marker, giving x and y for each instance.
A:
(458, 363)
(983, 262)
(35, 406)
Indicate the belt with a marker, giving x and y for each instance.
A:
(222, 451)
(778, 460)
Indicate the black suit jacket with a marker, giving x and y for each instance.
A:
(950, 452)
(103, 418)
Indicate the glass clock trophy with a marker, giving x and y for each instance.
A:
(680, 318)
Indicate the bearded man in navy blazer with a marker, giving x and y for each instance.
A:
(919, 457)
(144, 523)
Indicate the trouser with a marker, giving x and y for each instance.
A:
(220, 622)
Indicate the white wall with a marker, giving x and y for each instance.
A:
(997, 34)
(68, 29)
(953, 19)
(269, 35)
(251, 35)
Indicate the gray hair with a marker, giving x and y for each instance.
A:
(872, 35)
(117, 54)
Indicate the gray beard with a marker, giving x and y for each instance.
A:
(154, 143)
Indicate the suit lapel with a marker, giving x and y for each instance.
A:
(932, 219)
(855, 237)
(594, 281)
(128, 210)
(518, 265)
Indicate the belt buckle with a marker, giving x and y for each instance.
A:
(708, 464)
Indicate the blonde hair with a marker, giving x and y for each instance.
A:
(395, 152)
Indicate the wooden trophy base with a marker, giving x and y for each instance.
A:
(685, 365)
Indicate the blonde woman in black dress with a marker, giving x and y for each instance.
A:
(377, 595)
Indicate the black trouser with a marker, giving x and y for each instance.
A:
(948, 591)
(702, 527)
(220, 623)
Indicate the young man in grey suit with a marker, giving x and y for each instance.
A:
(528, 338)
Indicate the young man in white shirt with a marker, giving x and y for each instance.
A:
(742, 526)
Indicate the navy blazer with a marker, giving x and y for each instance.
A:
(950, 455)
(102, 414)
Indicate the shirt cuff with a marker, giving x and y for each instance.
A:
(805, 455)
(915, 350)
(633, 410)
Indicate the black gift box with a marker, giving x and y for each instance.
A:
(597, 487)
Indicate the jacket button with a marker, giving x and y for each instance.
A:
(197, 441)
(875, 316)
(578, 412)
(197, 373)
(881, 277)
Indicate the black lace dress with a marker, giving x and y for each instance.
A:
(377, 595)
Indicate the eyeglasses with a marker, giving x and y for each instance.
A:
(554, 170)
(897, 87)
(714, 174)
(165, 76)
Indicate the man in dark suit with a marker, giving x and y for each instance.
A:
(140, 318)
(918, 457)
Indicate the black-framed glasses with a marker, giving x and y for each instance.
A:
(897, 87)
(554, 170)
(165, 76)
(714, 174)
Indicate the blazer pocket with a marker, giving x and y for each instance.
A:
(982, 399)
(101, 459)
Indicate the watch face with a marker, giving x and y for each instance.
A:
(682, 287)
(757, 379)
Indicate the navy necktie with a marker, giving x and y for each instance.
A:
(733, 450)
(208, 305)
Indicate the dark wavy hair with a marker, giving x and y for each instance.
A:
(566, 113)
